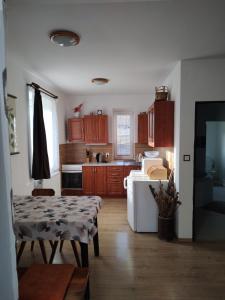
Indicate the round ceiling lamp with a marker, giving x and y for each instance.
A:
(100, 81)
(64, 38)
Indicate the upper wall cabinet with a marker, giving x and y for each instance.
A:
(75, 130)
(161, 124)
(143, 128)
(96, 129)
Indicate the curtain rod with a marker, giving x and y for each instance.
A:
(38, 87)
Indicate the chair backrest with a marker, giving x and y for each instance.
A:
(43, 192)
(68, 193)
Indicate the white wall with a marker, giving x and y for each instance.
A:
(18, 76)
(173, 83)
(201, 80)
(8, 275)
(134, 103)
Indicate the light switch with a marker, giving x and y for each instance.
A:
(186, 157)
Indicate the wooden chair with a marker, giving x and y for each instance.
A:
(43, 192)
(37, 192)
(59, 282)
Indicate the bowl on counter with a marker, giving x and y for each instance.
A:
(151, 154)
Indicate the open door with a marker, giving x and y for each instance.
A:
(209, 172)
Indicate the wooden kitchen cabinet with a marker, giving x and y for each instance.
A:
(161, 124)
(143, 128)
(94, 180)
(115, 181)
(75, 130)
(96, 129)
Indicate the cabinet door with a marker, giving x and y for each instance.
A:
(88, 180)
(164, 123)
(100, 181)
(143, 128)
(90, 129)
(115, 181)
(75, 130)
(102, 129)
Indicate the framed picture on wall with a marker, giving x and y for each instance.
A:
(11, 116)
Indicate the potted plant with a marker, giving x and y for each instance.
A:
(167, 201)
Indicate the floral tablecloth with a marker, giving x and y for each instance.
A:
(55, 217)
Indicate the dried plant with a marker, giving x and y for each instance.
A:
(167, 200)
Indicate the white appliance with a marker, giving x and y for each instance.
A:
(142, 210)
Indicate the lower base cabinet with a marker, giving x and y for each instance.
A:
(105, 180)
(94, 180)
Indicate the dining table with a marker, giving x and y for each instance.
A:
(57, 218)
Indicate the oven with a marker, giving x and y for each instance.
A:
(71, 177)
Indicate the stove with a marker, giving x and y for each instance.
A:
(72, 167)
(72, 176)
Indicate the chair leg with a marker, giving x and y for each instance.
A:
(20, 252)
(43, 252)
(32, 246)
(51, 243)
(54, 247)
(61, 245)
(73, 244)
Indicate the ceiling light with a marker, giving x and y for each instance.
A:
(100, 81)
(64, 38)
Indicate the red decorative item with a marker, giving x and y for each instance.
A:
(78, 108)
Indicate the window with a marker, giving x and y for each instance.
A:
(123, 134)
(51, 129)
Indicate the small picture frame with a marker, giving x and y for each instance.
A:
(99, 112)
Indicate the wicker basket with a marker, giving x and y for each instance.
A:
(161, 93)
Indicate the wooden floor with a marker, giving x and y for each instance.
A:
(141, 267)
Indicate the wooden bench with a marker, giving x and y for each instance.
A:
(53, 282)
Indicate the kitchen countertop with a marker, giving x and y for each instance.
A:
(113, 163)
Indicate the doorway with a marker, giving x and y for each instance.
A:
(209, 172)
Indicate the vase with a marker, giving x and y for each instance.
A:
(166, 228)
(76, 114)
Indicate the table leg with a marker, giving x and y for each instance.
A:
(22, 245)
(54, 247)
(32, 246)
(43, 252)
(84, 254)
(95, 239)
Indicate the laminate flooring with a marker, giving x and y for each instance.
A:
(139, 266)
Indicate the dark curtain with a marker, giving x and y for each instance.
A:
(40, 166)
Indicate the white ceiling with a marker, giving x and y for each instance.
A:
(133, 43)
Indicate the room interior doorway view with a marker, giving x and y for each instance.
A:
(209, 172)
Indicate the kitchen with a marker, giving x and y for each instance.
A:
(90, 134)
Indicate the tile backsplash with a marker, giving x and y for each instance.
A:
(76, 152)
